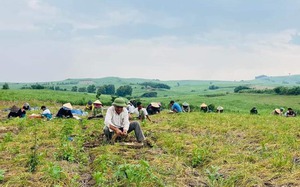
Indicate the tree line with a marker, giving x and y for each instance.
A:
(280, 90)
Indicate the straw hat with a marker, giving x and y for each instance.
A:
(220, 108)
(203, 105)
(155, 105)
(68, 106)
(97, 102)
(14, 108)
(185, 104)
(277, 110)
(119, 102)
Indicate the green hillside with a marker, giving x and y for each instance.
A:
(263, 82)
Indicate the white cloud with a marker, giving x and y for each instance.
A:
(41, 7)
(180, 60)
(87, 44)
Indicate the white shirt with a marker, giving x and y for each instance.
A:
(137, 112)
(130, 108)
(117, 120)
(46, 111)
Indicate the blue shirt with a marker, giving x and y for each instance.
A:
(176, 107)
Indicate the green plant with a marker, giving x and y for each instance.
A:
(66, 152)
(2, 172)
(54, 172)
(135, 173)
(33, 158)
(33, 161)
(199, 157)
(214, 177)
(8, 137)
(99, 178)
(66, 130)
(103, 162)
(75, 181)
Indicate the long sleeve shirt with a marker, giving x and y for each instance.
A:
(117, 120)
(64, 113)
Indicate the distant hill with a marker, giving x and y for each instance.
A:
(178, 86)
(284, 80)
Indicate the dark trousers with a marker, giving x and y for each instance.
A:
(133, 126)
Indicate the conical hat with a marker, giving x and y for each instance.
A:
(220, 108)
(68, 105)
(277, 110)
(14, 108)
(97, 102)
(185, 104)
(203, 105)
(155, 105)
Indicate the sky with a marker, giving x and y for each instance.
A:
(52, 40)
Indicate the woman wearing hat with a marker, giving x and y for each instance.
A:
(97, 110)
(65, 111)
(277, 111)
(220, 109)
(117, 122)
(17, 112)
(186, 107)
(153, 108)
(204, 107)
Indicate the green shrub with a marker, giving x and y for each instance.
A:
(2, 172)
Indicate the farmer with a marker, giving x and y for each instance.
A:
(141, 112)
(204, 107)
(290, 113)
(130, 107)
(65, 111)
(46, 113)
(186, 107)
(89, 106)
(277, 111)
(253, 110)
(153, 108)
(17, 112)
(27, 106)
(220, 109)
(117, 122)
(175, 107)
(97, 110)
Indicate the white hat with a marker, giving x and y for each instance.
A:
(155, 105)
(68, 106)
(203, 105)
(185, 104)
(220, 108)
(97, 102)
(277, 110)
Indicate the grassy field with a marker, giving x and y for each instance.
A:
(190, 149)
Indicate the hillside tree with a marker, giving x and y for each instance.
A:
(82, 89)
(124, 90)
(106, 89)
(5, 86)
(74, 89)
(149, 94)
(110, 89)
(91, 88)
